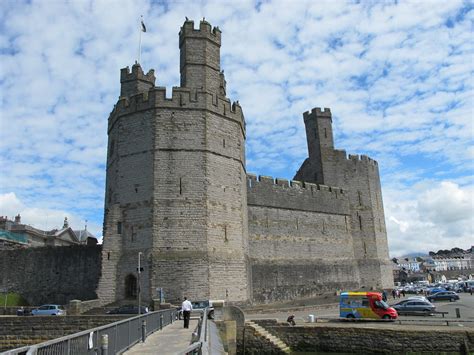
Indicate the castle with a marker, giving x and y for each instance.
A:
(178, 194)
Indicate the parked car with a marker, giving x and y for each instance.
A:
(199, 306)
(128, 309)
(415, 306)
(23, 312)
(444, 295)
(49, 310)
(434, 290)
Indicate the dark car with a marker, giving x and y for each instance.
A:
(444, 296)
(128, 309)
(415, 306)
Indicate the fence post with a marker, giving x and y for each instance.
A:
(143, 330)
(161, 321)
(104, 344)
(458, 313)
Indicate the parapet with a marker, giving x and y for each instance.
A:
(317, 112)
(180, 98)
(137, 74)
(205, 31)
(265, 191)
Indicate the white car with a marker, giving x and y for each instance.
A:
(49, 310)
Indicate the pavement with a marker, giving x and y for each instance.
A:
(330, 312)
(172, 339)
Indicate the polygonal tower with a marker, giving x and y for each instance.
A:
(176, 183)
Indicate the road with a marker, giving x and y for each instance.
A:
(465, 305)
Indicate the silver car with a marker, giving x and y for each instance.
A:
(415, 306)
(48, 310)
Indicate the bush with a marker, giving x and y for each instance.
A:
(13, 300)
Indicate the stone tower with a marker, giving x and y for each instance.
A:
(359, 176)
(176, 183)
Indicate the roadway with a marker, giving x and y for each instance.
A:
(330, 312)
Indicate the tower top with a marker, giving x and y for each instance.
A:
(137, 74)
(136, 81)
(205, 31)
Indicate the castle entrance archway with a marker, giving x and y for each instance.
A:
(130, 286)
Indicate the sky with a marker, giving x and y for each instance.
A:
(397, 76)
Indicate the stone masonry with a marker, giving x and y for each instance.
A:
(178, 193)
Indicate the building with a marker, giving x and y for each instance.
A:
(15, 235)
(178, 196)
(410, 263)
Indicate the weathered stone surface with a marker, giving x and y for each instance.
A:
(364, 339)
(51, 274)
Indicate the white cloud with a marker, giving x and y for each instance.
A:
(42, 218)
(397, 77)
(429, 217)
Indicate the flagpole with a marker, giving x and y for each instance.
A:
(140, 40)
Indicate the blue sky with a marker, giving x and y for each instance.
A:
(396, 75)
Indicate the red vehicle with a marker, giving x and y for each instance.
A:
(365, 305)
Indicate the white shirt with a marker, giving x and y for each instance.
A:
(187, 306)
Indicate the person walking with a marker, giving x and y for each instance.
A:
(186, 307)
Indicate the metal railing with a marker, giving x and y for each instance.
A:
(108, 339)
(201, 345)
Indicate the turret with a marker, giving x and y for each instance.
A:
(318, 125)
(135, 82)
(200, 57)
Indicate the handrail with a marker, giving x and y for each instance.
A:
(202, 344)
(89, 341)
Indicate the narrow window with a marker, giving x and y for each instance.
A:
(360, 222)
(223, 142)
(108, 255)
(180, 186)
(225, 234)
(112, 147)
(119, 227)
(325, 133)
(360, 198)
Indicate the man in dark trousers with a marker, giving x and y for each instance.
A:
(186, 307)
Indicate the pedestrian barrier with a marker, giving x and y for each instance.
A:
(201, 346)
(108, 339)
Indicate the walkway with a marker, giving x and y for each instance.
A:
(171, 340)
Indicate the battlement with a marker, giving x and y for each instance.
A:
(317, 112)
(137, 74)
(298, 195)
(205, 31)
(268, 180)
(156, 97)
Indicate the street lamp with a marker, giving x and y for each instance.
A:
(139, 269)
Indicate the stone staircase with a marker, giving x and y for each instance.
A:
(273, 339)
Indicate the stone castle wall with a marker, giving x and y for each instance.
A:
(51, 274)
(300, 239)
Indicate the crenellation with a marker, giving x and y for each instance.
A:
(317, 112)
(137, 74)
(205, 30)
(282, 182)
(296, 184)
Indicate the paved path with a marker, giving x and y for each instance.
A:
(172, 339)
